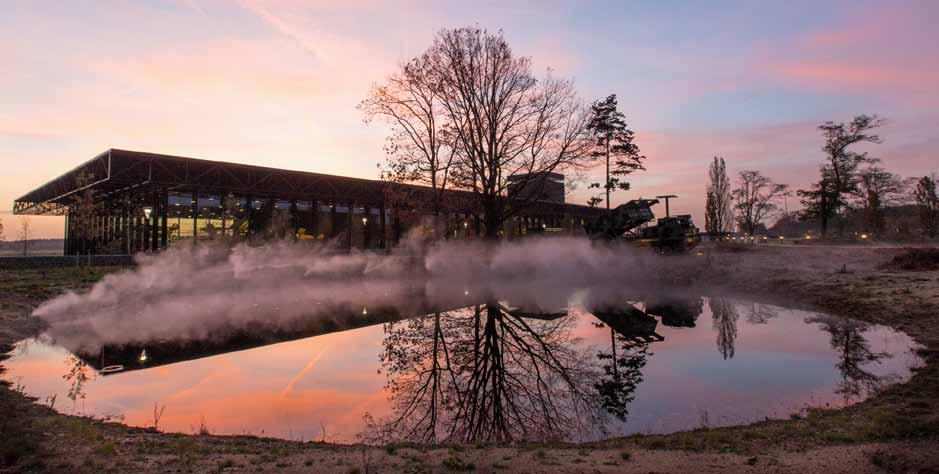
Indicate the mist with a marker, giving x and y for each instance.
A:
(195, 292)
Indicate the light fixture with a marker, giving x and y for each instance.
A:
(364, 220)
(143, 356)
(465, 225)
(364, 310)
(147, 211)
(863, 236)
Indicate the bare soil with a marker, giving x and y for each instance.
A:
(895, 431)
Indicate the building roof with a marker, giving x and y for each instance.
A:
(116, 170)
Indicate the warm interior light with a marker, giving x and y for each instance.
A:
(143, 356)
(147, 211)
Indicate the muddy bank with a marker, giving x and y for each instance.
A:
(891, 431)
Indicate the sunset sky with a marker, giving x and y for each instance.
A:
(275, 83)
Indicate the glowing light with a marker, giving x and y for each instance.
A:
(364, 220)
(863, 236)
(147, 211)
(143, 356)
(466, 292)
(364, 310)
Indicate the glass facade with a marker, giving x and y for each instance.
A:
(180, 225)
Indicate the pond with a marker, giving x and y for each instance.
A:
(482, 372)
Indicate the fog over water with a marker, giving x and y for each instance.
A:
(193, 292)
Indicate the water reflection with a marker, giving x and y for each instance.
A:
(589, 365)
(724, 315)
(484, 374)
(676, 311)
(854, 356)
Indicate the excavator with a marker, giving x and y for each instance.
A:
(628, 222)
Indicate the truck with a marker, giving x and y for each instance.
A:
(629, 223)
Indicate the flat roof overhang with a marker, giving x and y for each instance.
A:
(116, 171)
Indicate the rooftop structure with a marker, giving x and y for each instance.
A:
(146, 201)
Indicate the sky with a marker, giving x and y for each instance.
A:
(275, 83)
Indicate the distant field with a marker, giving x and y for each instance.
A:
(36, 247)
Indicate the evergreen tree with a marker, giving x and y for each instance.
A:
(928, 202)
(839, 173)
(613, 140)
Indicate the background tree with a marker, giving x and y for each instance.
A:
(418, 147)
(724, 317)
(2, 236)
(928, 202)
(25, 233)
(719, 214)
(876, 189)
(755, 195)
(612, 139)
(838, 175)
(505, 122)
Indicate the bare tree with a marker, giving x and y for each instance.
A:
(25, 233)
(876, 189)
(755, 195)
(928, 202)
(419, 148)
(482, 374)
(719, 214)
(506, 123)
(838, 175)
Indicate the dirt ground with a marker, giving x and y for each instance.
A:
(895, 431)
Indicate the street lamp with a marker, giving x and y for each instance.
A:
(364, 220)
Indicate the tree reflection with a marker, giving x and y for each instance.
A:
(622, 373)
(77, 376)
(854, 353)
(484, 375)
(760, 313)
(724, 315)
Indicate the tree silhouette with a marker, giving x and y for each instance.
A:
(719, 214)
(622, 373)
(755, 195)
(839, 173)
(854, 353)
(612, 140)
(724, 315)
(482, 374)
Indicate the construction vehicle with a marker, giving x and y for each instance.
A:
(628, 222)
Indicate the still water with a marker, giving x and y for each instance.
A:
(487, 372)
